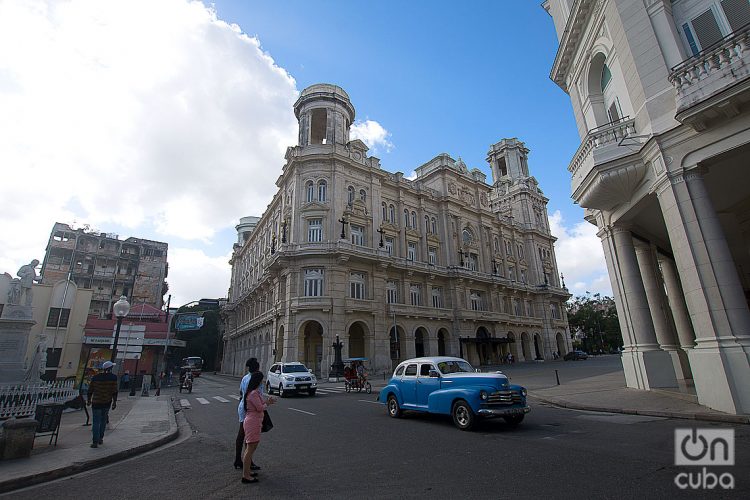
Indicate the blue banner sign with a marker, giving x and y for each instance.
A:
(188, 321)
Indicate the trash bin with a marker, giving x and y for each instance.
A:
(18, 438)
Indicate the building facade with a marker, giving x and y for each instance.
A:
(59, 312)
(111, 267)
(444, 264)
(660, 90)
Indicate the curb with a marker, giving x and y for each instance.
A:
(43, 477)
(728, 419)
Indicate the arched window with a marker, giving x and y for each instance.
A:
(350, 198)
(310, 191)
(497, 245)
(392, 213)
(606, 77)
(426, 224)
(414, 220)
(468, 236)
(322, 185)
(433, 225)
(385, 211)
(363, 195)
(406, 218)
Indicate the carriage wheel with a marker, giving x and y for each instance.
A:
(368, 387)
(347, 387)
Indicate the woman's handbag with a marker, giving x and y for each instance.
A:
(267, 424)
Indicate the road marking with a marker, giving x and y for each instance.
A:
(219, 398)
(185, 403)
(302, 411)
(368, 401)
(234, 396)
(202, 401)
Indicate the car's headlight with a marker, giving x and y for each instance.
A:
(290, 378)
(483, 395)
(523, 391)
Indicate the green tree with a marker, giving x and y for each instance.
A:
(205, 341)
(596, 317)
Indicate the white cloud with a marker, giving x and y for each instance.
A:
(194, 275)
(135, 114)
(580, 256)
(373, 134)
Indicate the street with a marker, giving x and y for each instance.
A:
(342, 445)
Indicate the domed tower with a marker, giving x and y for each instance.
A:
(324, 113)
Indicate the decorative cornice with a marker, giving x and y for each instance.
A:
(570, 40)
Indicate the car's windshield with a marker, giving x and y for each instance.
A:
(454, 367)
(294, 369)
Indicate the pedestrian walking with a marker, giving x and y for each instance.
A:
(102, 394)
(254, 408)
(252, 366)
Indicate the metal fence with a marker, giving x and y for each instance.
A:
(20, 400)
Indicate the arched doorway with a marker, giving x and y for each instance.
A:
(442, 338)
(357, 340)
(483, 346)
(420, 337)
(537, 347)
(396, 343)
(313, 345)
(526, 346)
(560, 340)
(279, 349)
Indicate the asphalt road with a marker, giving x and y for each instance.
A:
(339, 445)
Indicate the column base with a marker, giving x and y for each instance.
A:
(648, 369)
(720, 375)
(680, 363)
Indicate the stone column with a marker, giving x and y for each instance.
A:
(676, 299)
(654, 289)
(714, 296)
(648, 365)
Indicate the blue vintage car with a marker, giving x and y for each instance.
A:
(451, 386)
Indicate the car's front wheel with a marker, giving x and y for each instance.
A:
(514, 419)
(463, 415)
(394, 410)
(268, 388)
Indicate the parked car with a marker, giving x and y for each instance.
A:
(451, 386)
(287, 378)
(575, 355)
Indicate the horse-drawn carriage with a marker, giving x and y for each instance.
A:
(355, 375)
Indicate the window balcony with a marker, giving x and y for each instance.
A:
(714, 82)
(603, 176)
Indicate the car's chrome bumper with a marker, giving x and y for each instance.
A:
(503, 412)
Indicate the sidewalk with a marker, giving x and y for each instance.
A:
(136, 425)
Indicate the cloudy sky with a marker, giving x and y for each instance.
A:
(169, 119)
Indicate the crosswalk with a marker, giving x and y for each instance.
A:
(185, 401)
(207, 400)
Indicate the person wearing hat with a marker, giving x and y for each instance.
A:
(102, 394)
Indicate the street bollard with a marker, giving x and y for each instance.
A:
(557, 377)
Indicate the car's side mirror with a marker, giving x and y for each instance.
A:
(309, 370)
(434, 373)
(477, 370)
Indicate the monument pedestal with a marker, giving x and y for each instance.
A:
(15, 327)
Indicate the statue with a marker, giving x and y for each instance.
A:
(14, 292)
(28, 276)
(38, 366)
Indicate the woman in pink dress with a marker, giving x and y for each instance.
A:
(254, 408)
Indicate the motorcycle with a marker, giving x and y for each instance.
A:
(187, 383)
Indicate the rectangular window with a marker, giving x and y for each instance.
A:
(437, 297)
(314, 230)
(475, 299)
(529, 309)
(57, 314)
(737, 12)
(415, 294)
(523, 275)
(357, 235)
(432, 256)
(313, 282)
(357, 285)
(412, 251)
(389, 246)
(516, 307)
(391, 292)
(473, 262)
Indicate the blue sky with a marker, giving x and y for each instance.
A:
(191, 115)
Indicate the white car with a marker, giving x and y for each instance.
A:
(290, 377)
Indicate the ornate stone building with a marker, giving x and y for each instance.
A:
(396, 268)
(660, 92)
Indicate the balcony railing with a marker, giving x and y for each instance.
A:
(712, 70)
(606, 135)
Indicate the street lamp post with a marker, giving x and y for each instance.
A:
(120, 309)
